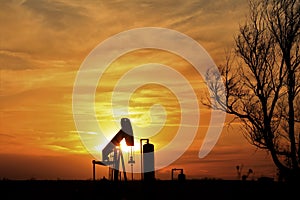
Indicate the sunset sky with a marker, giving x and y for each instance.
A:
(43, 45)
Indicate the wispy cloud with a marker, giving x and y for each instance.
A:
(44, 43)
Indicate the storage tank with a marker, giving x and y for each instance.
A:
(148, 162)
(181, 177)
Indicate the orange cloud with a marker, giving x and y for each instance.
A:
(43, 44)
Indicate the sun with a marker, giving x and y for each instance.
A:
(125, 148)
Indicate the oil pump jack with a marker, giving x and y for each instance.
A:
(112, 153)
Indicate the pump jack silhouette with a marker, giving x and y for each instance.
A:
(113, 148)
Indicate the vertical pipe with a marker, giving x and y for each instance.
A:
(94, 170)
(141, 151)
(116, 165)
(131, 159)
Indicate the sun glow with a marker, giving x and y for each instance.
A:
(149, 104)
(125, 148)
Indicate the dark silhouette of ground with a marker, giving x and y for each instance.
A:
(104, 189)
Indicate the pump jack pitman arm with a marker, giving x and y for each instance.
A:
(125, 132)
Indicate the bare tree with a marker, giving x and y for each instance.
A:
(283, 21)
(262, 81)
